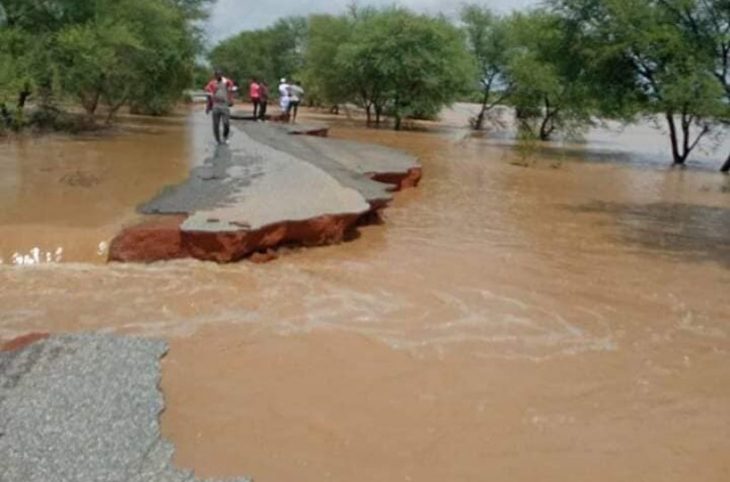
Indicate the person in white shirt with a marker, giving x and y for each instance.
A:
(284, 98)
(295, 93)
(284, 101)
(283, 88)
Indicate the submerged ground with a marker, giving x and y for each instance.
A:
(552, 314)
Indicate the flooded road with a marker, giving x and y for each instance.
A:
(74, 193)
(517, 317)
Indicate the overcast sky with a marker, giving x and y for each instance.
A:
(231, 16)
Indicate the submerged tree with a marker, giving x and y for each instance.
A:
(705, 25)
(549, 89)
(668, 75)
(487, 43)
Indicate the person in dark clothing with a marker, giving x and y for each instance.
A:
(295, 94)
(263, 100)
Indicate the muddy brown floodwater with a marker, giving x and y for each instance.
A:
(551, 316)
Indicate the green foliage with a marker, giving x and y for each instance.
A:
(668, 61)
(17, 51)
(268, 54)
(547, 76)
(14, 63)
(402, 63)
(164, 66)
(93, 57)
(488, 43)
(325, 35)
(559, 65)
(97, 52)
(389, 61)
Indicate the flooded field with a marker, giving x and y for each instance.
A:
(550, 314)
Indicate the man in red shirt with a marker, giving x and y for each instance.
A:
(254, 93)
(220, 101)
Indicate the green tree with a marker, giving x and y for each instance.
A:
(268, 54)
(16, 81)
(667, 75)
(170, 46)
(706, 26)
(92, 57)
(487, 43)
(405, 63)
(547, 76)
(357, 66)
(324, 80)
(110, 52)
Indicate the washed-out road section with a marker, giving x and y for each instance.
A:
(274, 184)
(84, 408)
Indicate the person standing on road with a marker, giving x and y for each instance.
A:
(295, 93)
(254, 92)
(284, 100)
(283, 88)
(264, 101)
(220, 101)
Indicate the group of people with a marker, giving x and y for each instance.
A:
(290, 97)
(220, 93)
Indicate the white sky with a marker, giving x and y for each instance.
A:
(232, 16)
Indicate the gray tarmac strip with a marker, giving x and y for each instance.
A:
(78, 408)
(269, 175)
(349, 162)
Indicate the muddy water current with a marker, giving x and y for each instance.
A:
(526, 314)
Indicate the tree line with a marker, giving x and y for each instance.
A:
(560, 66)
(94, 53)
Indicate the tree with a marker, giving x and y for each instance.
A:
(92, 56)
(323, 77)
(15, 79)
(667, 75)
(170, 46)
(487, 43)
(706, 26)
(357, 66)
(547, 76)
(403, 62)
(110, 52)
(268, 54)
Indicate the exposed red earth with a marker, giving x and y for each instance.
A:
(163, 239)
(22, 342)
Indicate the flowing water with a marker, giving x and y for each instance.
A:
(525, 314)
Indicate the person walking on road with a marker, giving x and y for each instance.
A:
(220, 101)
(295, 98)
(254, 92)
(264, 98)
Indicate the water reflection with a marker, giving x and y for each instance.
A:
(698, 233)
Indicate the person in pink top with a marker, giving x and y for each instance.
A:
(254, 93)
